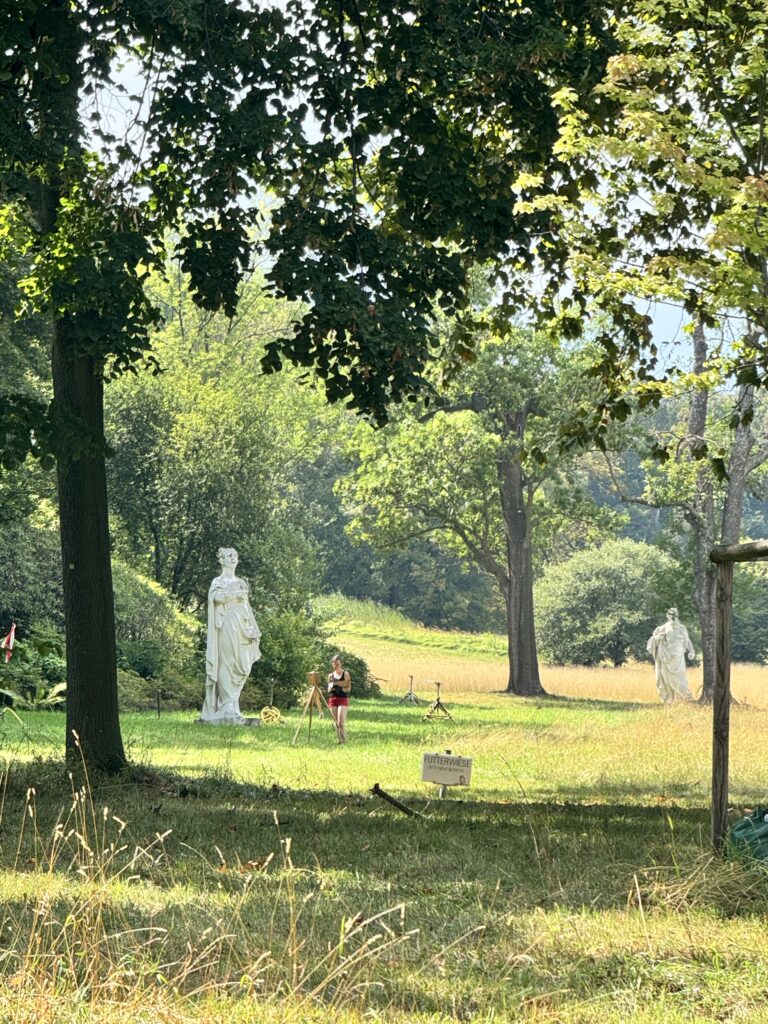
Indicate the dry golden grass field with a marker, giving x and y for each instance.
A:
(397, 649)
(393, 664)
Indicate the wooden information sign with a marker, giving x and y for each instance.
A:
(446, 769)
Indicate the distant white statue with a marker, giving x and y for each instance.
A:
(233, 644)
(668, 646)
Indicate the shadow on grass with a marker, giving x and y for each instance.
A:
(571, 853)
(579, 703)
(546, 700)
(367, 723)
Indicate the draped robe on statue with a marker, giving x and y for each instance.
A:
(668, 646)
(233, 647)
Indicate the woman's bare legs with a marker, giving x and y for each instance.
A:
(340, 718)
(335, 716)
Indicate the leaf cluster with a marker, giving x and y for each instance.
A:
(441, 473)
(426, 113)
(388, 133)
(604, 602)
(664, 200)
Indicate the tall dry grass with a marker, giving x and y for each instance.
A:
(397, 649)
(71, 939)
(394, 664)
(636, 682)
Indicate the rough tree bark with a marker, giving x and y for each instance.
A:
(92, 720)
(702, 515)
(517, 588)
(93, 723)
(743, 460)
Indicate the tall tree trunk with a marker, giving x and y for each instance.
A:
(739, 468)
(524, 677)
(701, 519)
(93, 723)
(705, 599)
(524, 680)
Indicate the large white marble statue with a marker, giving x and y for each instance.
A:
(669, 645)
(233, 644)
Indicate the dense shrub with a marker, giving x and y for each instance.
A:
(22, 675)
(37, 664)
(155, 640)
(289, 650)
(176, 691)
(31, 590)
(153, 636)
(749, 641)
(291, 647)
(603, 603)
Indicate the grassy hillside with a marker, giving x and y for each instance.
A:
(376, 622)
(397, 648)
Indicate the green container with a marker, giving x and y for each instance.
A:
(748, 837)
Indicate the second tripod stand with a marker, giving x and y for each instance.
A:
(437, 709)
(410, 697)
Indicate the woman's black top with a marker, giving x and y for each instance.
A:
(337, 690)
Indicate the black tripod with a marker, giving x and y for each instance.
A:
(410, 697)
(437, 709)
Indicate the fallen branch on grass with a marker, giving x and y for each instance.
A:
(378, 791)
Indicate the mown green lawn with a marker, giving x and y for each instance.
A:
(572, 882)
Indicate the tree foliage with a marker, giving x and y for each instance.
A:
(603, 603)
(424, 581)
(388, 133)
(707, 502)
(482, 475)
(207, 452)
(665, 198)
(438, 473)
(750, 613)
(665, 201)
(425, 113)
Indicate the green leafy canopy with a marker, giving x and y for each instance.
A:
(388, 132)
(663, 196)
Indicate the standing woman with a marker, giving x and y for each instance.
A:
(339, 685)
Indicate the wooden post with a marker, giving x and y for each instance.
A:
(721, 704)
(725, 555)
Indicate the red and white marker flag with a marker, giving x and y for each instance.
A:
(6, 644)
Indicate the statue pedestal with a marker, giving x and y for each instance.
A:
(230, 721)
